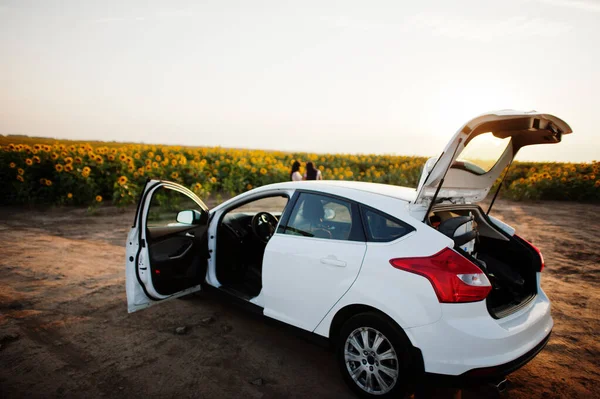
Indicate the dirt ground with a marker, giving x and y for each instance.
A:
(65, 331)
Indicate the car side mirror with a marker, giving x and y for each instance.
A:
(189, 217)
(329, 214)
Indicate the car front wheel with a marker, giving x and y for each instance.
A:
(373, 356)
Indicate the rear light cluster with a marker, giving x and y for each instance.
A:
(536, 249)
(454, 278)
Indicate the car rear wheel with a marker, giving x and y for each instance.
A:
(374, 356)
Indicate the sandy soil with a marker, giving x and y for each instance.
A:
(65, 331)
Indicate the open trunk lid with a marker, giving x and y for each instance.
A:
(481, 149)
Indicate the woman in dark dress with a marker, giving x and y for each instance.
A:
(312, 173)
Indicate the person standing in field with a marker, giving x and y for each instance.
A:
(312, 173)
(295, 173)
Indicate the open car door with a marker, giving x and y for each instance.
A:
(167, 246)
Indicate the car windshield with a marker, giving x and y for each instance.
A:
(481, 153)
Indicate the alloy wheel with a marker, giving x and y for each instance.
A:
(371, 361)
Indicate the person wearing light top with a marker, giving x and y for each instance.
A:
(312, 173)
(295, 173)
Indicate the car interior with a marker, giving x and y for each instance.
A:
(177, 242)
(242, 236)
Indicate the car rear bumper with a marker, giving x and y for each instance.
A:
(467, 342)
(489, 374)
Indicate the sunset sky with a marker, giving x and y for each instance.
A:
(392, 77)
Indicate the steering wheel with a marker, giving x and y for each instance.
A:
(263, 226)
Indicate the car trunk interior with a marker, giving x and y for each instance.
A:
(509, 262)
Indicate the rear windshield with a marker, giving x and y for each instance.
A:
(481, 154)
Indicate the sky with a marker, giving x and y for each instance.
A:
(384, 77)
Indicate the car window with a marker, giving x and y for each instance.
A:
(165, 205)
(481, 153)
(383, 228)
(320, 216)
(273, 205)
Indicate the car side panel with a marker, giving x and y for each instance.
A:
(303, 277)
(407, 298)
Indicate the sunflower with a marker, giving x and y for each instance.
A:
(59, 168)
(86, 169)
(20, 178)
(111, 157)
(213, 179)
(77, 160)
(36, 159)
(54, 156)
(197, 186)
(155, 165)
(158, 157)
(122, 180)
(29, 162)
(48, 182)
(98, 198)
(12, 165)
(20, 171)
(263, 171)
(249, 186)
(174, 175)
(68, 167)
(70, 195)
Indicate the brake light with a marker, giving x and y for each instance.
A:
(536, 249)
(454, 278)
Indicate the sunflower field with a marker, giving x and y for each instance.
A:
(44, 171)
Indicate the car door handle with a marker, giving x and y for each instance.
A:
(188, 234)
(181, 252)
(333, 261)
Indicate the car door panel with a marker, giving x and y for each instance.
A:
(303, 277)
(165, 258)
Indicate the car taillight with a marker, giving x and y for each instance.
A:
(536, 249)
(453, 277)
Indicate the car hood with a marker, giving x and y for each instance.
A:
(470, 180)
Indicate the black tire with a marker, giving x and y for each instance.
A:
(372, 323)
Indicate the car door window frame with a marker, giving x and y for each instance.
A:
(357, 230)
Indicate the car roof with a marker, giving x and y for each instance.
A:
(402, 193)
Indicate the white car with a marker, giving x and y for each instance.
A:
(403, 282)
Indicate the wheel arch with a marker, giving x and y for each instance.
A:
(348, 311)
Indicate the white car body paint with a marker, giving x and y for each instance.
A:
(307, 281)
